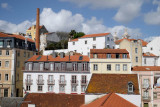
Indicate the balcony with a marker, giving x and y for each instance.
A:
(84, 82)
(146, 98)
(145, 85)
(40, 82)
(29, 81)
(62, 82)
(51, 82)
(74, 82)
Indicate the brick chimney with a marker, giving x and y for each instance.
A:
(37, 32)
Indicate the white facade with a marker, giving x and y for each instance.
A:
(149, 61)
(49, 52)
(153, 47)
(56, 79)
(83, 45)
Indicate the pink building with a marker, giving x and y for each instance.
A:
(149, 80)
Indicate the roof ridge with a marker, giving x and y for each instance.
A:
(106, 99)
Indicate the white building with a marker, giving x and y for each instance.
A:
(149, 59)
(83, 44)
(62, 74)
(153, 47)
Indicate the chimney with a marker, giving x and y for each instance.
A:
(37, 32)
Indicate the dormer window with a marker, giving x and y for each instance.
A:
(95, 56)
(130, 87)
(124, 56)
(117, 56)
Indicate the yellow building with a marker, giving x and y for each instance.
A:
(32, 31)
(14, 50)
(110, 61)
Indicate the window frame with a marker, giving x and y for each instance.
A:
(95, 67)
(124, 67)
(117, 67)
(109, 66)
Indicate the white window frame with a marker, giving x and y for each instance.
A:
(6, 65)
(95, 67)
(110, 66)
(125, 67)
(117, 67)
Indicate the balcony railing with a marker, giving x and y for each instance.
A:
(146, 98)
(84, 82)
(74, 82)
(51, 82)
(40, 82)
(145, 85)
(29, 81)
(62, 82)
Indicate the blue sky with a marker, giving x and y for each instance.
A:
(140, 17)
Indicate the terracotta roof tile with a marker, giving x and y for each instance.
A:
(102, 51)
(59, 59)
(110, 100)
(144, 43)
(53, 100)
(149, 54)
(15, 36)
(108, 83)
(91, 35)
(146, 68)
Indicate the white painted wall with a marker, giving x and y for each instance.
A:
(150, 61)
(56, 76)
(100, 43)
(49, 52)
(90, 98)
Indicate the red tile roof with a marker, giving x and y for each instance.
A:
(40, 27)
(53, 100)
(91, 35)
(149, 55)
(144, 43)
(74, 58)
(112, 83)
(110, 100)
(15, 36)
(146, 68)
(105, 51)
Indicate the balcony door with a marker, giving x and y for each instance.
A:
(6, 92)
(84, 78)
(28, 77)
(50, 78)
(62, 78)
(74, 79)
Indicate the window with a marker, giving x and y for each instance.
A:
(136, 59)
(108, 46)
(84, 79)
(74, 88)
(83, 88)
(6, 63)
(40, 77)
(28, 88)
(130, 87)
(75, 66)
(95, 67)
(7, 52)
(144, 60)
(40, 87)
(136, 50)
(6, 92)
(145, 94)
(117, 67)
(0, 77)
(155, 105)
(24, 54)
(46, 66)
(28, 78)
(6, 77)
(108, 39)
(50, 88)
(74, 79)
(124, 67)
(151, 48)
(1, 43)
(73, 43)
(0, 63)
(50, 79)
(51, 66)
(145, 83)
(94, 38)
(41, 66)
(62, 79)
(124, 56)
(30, 67)
(108, 55)
(8, 43)
(0, 52)
(154, 95)
(117, 56)
(62, 88)
(85, 42)
(108, 67)
(94, 47)
(95, 56)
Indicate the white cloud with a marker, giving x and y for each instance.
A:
(64, 20)
(4, 5)
(153, 17)
(151, 38)
(127, 9)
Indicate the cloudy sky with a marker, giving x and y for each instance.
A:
(140, 17)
